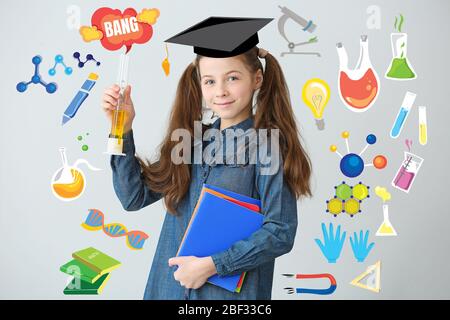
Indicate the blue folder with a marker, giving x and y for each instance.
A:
(216, 225)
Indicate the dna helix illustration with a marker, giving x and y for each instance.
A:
(95, 222)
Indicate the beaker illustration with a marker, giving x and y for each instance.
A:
(407, 172)
(386, 228)
(358, 88)
(400, 67)
(68, 182)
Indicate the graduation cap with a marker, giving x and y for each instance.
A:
(221, 37)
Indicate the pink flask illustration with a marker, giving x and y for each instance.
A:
(358, 87)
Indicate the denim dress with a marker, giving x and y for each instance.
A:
(254, 255)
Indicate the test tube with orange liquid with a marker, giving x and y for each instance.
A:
(115, 142)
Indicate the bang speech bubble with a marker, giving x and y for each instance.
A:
(115, 29)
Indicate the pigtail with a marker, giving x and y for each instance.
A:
(275, 111)
(163, 176)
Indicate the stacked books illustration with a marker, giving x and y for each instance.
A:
(90, 269)
(220, 219)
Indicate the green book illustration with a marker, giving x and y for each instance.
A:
(83, 287)
(96, 260)
(80, 270)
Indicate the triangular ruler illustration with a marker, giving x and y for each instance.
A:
(369, 279)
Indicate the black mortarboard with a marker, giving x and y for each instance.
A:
(221, 37)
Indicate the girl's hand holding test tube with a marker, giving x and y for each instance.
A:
(110, 101)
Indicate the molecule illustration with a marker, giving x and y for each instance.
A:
(352, 165)
(347, 199)
(89, 57)
(60, 60)
(36, 78)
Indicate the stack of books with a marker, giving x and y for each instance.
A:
(220, 219)
(90, 269)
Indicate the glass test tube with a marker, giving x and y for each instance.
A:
(423, 134)
(405, 108)
(117, 125)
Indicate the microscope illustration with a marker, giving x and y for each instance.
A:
(306, 26)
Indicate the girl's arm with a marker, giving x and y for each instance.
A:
(128, 183)
(275, 238)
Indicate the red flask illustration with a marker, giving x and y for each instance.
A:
(358, 88)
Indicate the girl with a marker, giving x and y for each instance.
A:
(226, 82)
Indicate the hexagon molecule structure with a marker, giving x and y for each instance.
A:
(347, 199)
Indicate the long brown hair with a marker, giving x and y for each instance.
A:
(274, 111)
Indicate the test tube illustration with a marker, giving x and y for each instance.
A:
(79, 98)
(115, 142)
(403, 113)
(423, 134)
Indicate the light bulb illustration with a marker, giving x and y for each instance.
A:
(316, 94)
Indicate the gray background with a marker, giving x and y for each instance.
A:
(39, 232)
